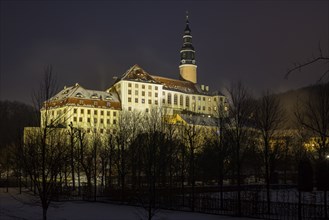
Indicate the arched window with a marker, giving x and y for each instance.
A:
(187, 101)
(169, 98)
(181, 100)
(175, 99)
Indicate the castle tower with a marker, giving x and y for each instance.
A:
(187, 65)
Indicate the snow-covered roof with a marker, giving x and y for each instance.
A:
(203, 120)
(76, 94)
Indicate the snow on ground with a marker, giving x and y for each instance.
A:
(24, 206)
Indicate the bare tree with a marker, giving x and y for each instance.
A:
(44, 152)
(269, 116)
(240, 109)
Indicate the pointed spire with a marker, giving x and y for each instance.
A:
(187, 28)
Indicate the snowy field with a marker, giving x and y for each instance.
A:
(23, 206)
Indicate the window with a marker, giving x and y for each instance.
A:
(114, 114)
(199, 107)
(136, 85)
(169, 98)
(175, 99)
(102, 112)
(88, 120)
(147, 110)
(80, 119)
(129, 99)
(101, 130)
(187, 101)
(88, 130)
(215, 99)
(108, 113)
(204, 108)
(108, 121)
(143, 86)
(209, 99)
(163, 93)
(82, 111)
(203, 98)
(129, 91)
(136, 100)
(150, 87)
(95, 120)
(129, 84)
(143, 101)
(102, 121)
(163, 101)
(199, 98)
(95, 112)
(129, 108)
(136, 92)
(193, 97)
(156, 102)
(143, 93)
(75, 111)
(181, 100)
(88, 111)
(150, 101)
(156, 88)
(150, 94)
(156, 94)
(114, 121)
(75, 119)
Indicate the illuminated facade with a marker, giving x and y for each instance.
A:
(135, 90)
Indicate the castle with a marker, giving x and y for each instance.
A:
(136, 90)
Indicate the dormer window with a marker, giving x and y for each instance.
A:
(94, 96)
(108, 97)
(79, 95)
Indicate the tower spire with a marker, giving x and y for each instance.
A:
(187, 53)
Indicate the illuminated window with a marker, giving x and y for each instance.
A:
(129, 91)
(181, 101)
(209, 99)
(187, 101)
(136, 100)
(169, 98)
(175, 99)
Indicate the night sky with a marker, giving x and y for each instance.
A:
(89, 42)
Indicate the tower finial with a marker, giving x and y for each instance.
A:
(187, 17)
